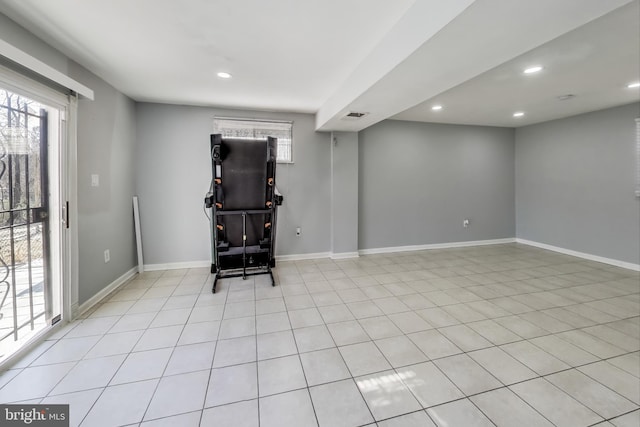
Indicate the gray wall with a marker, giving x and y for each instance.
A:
(106, 146)
(575, 181)
(418, 181)
(17, 36)
(174, 172)
(106, 132)
(344, 192)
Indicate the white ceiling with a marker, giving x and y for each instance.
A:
(284, 55)
(594, 62)
(390, 59)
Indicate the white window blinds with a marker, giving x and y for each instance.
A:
(258, 129)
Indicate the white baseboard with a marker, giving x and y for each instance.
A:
(435, 246)
(590, 257)
(78, 310)
(344, 255)
(177, 265)
(448, 245)
(200, 264)
(301, 257)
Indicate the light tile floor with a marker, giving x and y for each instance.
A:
(504, 335)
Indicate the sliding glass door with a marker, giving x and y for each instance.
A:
(30, 289)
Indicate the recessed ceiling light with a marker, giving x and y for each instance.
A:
(224, 75)
(532, 70)
(518, 114)
(436, 107)
(633, 85)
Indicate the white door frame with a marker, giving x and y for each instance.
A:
(65, 191)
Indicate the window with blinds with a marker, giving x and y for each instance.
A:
(259, 129)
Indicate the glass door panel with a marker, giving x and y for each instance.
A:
(26, 290)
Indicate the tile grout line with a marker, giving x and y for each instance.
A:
(304, 374)
(345, 364)
(155, 390)
(114, 374)
(255, 310)
(539, 310)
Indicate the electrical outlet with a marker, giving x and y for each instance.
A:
(107, 256)
(465, 223)
(298, 231)
(95, 180)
